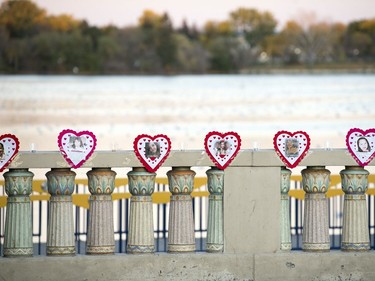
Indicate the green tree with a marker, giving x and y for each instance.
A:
(63, 53)
(360, 39)
(159, 38)
(191, 32)
(252, 24)
(191, 56)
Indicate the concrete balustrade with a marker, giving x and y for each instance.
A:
(18, 229)
(141, 227)
(181, 236)
(285, 235)
(247, 223)
(215, 224)
(355, 231)
(100, 233)
(60, 228)
(315, 182)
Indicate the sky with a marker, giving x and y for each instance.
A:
(126, 12)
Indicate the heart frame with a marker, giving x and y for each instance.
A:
(8, 153)
(352, 139)
(152, 151)
(295, 156)
(222, 156)
(67, 151)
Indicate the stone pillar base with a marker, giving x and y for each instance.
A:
(137, 249)
(180, 248)
(61, 251)
(214, 248)
(100, 250)
(18, 252)
(355, 247)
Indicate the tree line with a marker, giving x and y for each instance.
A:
(33, 41)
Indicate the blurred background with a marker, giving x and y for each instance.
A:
(123, 68)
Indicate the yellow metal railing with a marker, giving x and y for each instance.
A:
(162, 197)
(335, 180)
(82, 200)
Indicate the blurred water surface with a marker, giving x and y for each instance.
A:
(118, 108)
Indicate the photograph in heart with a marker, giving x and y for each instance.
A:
(291, 147)
(152, 151)
(76, 147)
(9, 146)
(222, 148)
(361, 145)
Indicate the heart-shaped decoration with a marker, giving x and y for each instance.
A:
(76, 147)
(9, 146)
(152, 151)
(222, 147)
(291, 147)
(361, 145)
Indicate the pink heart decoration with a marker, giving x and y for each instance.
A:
(222, 147)
(9, 146)
(361, 145)
(152, 151)
(291, 147)
(76, 147)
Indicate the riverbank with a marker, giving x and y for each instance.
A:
(360, 68)
(344, 68)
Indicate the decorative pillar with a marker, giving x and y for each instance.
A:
(60, 228)
(141, 228)
(181, 236)
(315, 236)
(18, 233)
(355, 232)
(100, 236)
(215, 232)
(285, 236)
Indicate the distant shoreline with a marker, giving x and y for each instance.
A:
(348, 69)
(365, 68)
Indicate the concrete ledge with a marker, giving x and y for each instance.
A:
(191, 158)
(335, 265)
(200, 266)
(332, 266)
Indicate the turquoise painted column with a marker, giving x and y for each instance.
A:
(141, 226)
(181, 236)
(100, 236)
(60, 228)
(285, 236)
(315, 235)
(18, 228)
(215, 227)
(355, 232)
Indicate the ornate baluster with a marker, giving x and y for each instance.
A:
(285, 236)
(141, 228)
(215, 235)
(355, 232)
(315, 237)
(181, 236)
(18, 230)
(100, 236)
(60, 228)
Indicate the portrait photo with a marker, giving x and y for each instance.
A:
(363, 145)
(291, 147)
(152, 149)
(2, 151)
(77, 144)
(222, 147)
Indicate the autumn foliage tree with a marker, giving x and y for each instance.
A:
(34, 41)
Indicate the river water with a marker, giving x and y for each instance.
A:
(186, 108)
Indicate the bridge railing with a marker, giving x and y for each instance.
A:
(245, 209)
